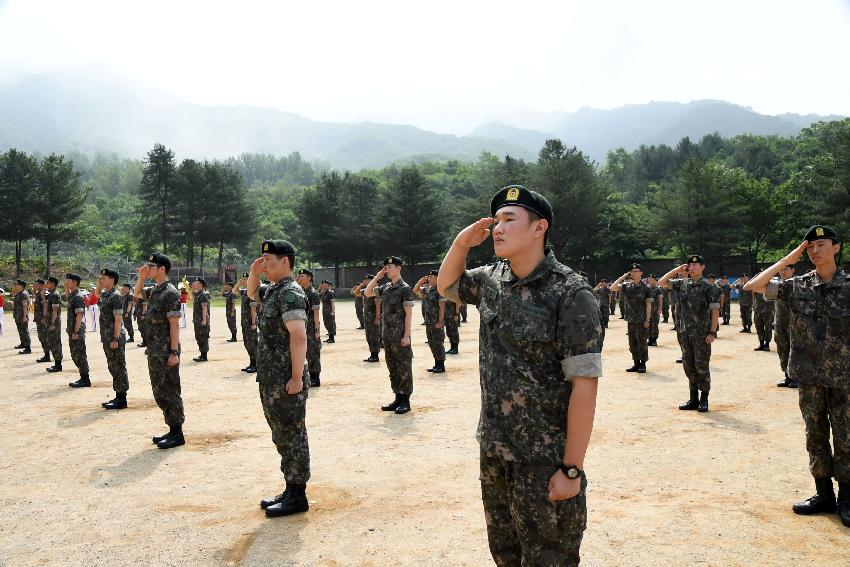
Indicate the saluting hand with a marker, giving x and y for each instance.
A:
(794, 256)
(259, 266)
(143, 272)
(476, 233)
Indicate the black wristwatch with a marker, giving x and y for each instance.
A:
(174, 352)
(571, 471)
(713, 333)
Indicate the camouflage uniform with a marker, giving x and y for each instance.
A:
(314, 345)
(164, 304)
(127, 311)
(820, 361)
(452, 325)
(399, 358)
(665, 308)
(230, 312)
(111, 304)
(40, 303)
(358, 308)
(634, 297)
(249, 336)
(536, 335)
(328, 317)
(143, 306)
(20, 312)
(77, 347)
(283, 301)
(764, 318)
(202, 332)
(726, 309)
(745, 303)
(436, 337)
(603, 298)
(655, 316)
(373, 331)
(54, 337)
(781, 329)
(696, 300)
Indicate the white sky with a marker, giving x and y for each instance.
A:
(448, 65)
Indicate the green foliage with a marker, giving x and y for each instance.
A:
(158, 199)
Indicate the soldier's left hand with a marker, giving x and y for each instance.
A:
(563, 488)
(113, 345)
(75, 337)
(405, 341)
(438, 325)
(294, 386)
(646, 324)
(709, 339)
(318, 335)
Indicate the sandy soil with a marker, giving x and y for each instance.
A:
(83, 486)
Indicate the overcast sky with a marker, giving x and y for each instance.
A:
(448, 65)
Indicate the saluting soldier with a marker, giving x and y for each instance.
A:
(763, 310)
(40, 316)
(21, 314)
(326, 293)
(540, 356)
(745, 303)
(54, 323)
(201, 317)
(248, 313)
(781, 329)
(665, 305)
(372, 320)
(657, 300)
(127, 304)
(435, 313)
(230, 309)
(163, 351)
(636, 307)
(75, 326)
(699, 311)
(358, 304)
(725, 299)
(314, 327)
(820, 361)
(603, 297)
(113, 337)
(282, 373)
(396, 320)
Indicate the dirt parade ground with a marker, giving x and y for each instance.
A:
(83, 486)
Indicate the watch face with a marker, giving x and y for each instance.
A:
(572, 473)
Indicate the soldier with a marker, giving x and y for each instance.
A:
(463, 312)
(328, 297)
(372, 317)
(358, 304)
(540, 345)
(281, 372)
(75, 326)
(21, 314)
(201, 317)
(163, 351)
(603, 297)
(621, 301)
(452, 323)
(113, 337)
(636, 299)
(763, 311)
(615, 297)
(820, 361)
(230, 309)
(699, 310)
(665, 305)
(725, 299)
(657, 300)
(140, 310)
(745, 304)
(127, 303)
(40, 316)
(54, 323)
(2, 309)
(248, 316)
(314, 327)
(782, 321)
(396, 320)
(435, 315)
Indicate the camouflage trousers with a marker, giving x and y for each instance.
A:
(54, 341)
(604, 315)
(436, 342)
(373, 336)
(674, 312)
(764, 325)
(231, 323)
(613, 307)
(463, 309)
(165, 383)
(826, 408)
(249, 339)
(783, 347)
(452, 332)
(637, 342)
(358, 310)
(726, 310)
(746, 316)
(117, 365)
(143, 329)
(654, 321)
(23, 332)
(202, 337)
(329, 320)
(696, 354)
(128, 324)
(41, 330)
(523, 526)
(399, 360)
(78, 353)
(665, 310)
(314, 352)
(285, 415)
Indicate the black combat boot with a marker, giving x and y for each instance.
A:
(57, 367)
(315, 382)
(174, 438)
(784, 383)
(392, 405)
(266, 502)
(679, 361)
(201, 357)
(403, 405)
(635, 367)
(453, 350)
(18, 346)
(439, 367)
(45, 358)
(27, 350)
(373, 357)
(823, 501)
(120, 402)
(793, 384)
(703, 402)
(232, 338)
(83, 382)
(293, 501)
(131, 339)
(692, 403)
(642, 368)
(766, 347)
(760, 347)
(844, 502)
(252, 368)
(330, 339)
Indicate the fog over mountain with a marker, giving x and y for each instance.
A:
(59, 112)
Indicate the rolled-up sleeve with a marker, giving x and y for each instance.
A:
(172, 304)
(580, 336)
(467, 288)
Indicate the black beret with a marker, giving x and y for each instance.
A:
(821, 232)
(651, 276)
(433, 273)
(21, 282)
(519, 196)
(327, 282)
(54, 280)
(305, 272)
(72, 276)
(582, 274)
(711, 276)
(636, 266)
(201, 281)
(39, 281)
(695, 259)
(745, 275)
(279, 247)
(160, 260)
(110, 273)
(393, 260)
(128, 286)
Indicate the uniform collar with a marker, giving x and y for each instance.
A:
(544, 267)
(837, 280)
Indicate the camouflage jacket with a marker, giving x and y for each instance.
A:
(451, 310)
(761, 304)
(126, 301)
(431, 299)
(327, 296)
(313, 304)
(536, 334)
(283, 301)
(725, 291)
(393, 299)
(20, 304)
(603, 296)
(197, 307)
(370, 310)
(696, 300)
(245, 308)
(229, 307)
(635, 297)
(745, 298)
(781, 311)
(163, 304)
(76, 304)
(38, 300)
(110, 304)
(655, 293)
(819, 328)
(53, 298)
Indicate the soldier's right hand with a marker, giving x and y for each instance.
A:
(258, 267)
(143, 272)
(794, 256)
(475, 234)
